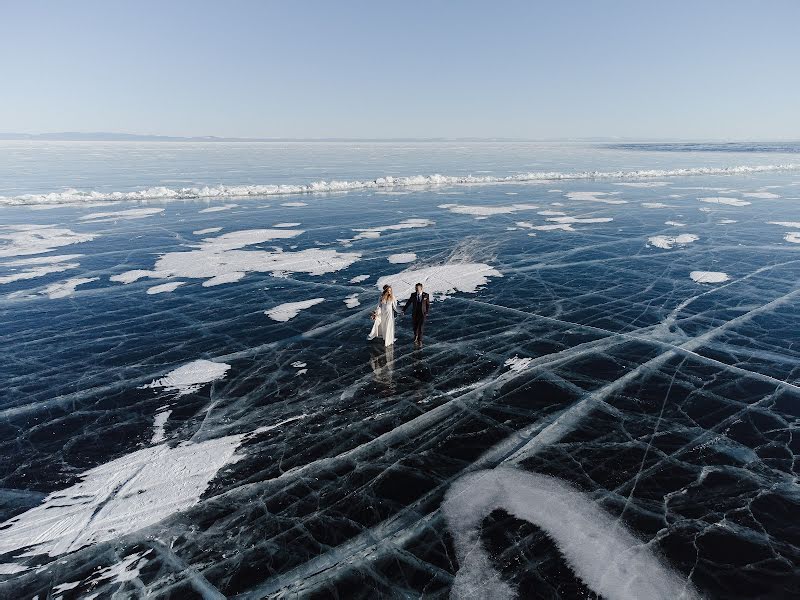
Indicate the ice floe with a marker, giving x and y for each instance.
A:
(402, 257)
(709, 276)
(190, 377)
(62, 289)
(441, 281)
(597, 546)
(207, 230)
(289, 310)
(121, 215)
(667, 242)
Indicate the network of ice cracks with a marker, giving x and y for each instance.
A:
(608, 408)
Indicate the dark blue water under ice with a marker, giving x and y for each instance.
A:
(591, 381)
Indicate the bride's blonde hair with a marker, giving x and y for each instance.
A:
(387, 294)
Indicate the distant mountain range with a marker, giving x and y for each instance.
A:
(105, 136)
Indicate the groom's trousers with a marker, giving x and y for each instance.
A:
(419, 324)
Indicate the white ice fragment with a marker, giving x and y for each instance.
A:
(374, 232)
(709, 276)
(299, 364)
(287, 224)
(62, 289)
(207, 230)
(655, 205)
(643, 184)
(791, 224)
(294, 204)
(289, 310)
(551, 227)
(725, 200)
(122, 215)
(580, 220)
(550, 213)
(765, 195)
(793, 237)
(440, 281)
(133, 275)
(359, 278)
(190, 377)
(231, 277)
(667, 242)
(675, 223)
(402, 257)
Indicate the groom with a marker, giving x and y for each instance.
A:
(420, 305)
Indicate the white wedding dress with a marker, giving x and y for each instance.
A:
(383, 327)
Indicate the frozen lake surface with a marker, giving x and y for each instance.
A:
(606, 405)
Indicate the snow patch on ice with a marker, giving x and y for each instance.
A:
(294, 204)
(289, 310)
(119, 497)
(402, 257)
(159, 422)
(359, 278)
(655, 205)
(352, 301)
(213, 209)
(596, 197)
(793, 237)
(62, 289)
(121, 215)
(486, 211)
(517, 363)
(165, 287)
(725, 200)
(38, 267)
(287, 224)
(666, 242)
(791, 224)
(375, 232)
(764, 195)
(207, 231)
(441, 281)
(25, 240)
(643, 184)
(190, 377)
(675, 223)
(709, 276)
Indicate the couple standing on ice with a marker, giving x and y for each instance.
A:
(383, 315)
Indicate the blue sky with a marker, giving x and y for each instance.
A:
(700, 69)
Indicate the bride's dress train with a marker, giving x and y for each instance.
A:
(383, 327)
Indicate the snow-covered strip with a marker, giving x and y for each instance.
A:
(551, 213)
(441, 281)
(667, 241)
(294, 204)
(675, 223)
(62, 289)
(709, 276)
(596, 197)
(289, 310)
(133, 213)
(119, 497)
(580, 220)
(238, 191)
(402, 257)
(287, 224)
(725, 200)
(207, 230)
(644, 184)
(213, 209)
(190, 377)
(598, 548)
(550, 227)
(655, 205)
(246, 237)
(159, 422)
(486, 211)
(165, 287)
(25, 240)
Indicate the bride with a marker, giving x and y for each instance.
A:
(383, 316)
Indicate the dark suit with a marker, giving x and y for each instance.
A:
(420, 307)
